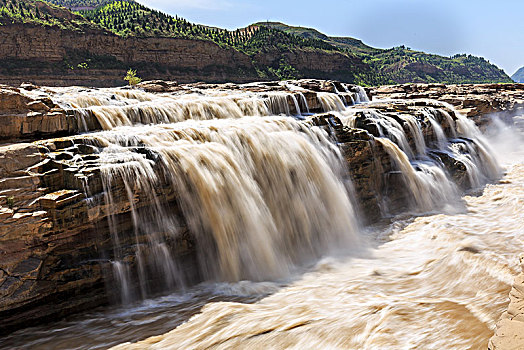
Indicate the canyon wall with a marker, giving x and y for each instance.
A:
(510, 328)
(44, 53)
(50, 56)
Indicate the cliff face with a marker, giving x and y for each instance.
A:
(50, 50)
(315, 64)
(50, 56)
(510, 328)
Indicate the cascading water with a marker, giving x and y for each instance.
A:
(239, 235)
(362, 96)
(259, 194)
(330, 102)
(429, 184)
(430, 188)
(416, 133)
(264, 194)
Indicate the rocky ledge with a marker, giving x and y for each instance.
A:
(55, 237)
(510, 329)
(30, 112)
(478, 102)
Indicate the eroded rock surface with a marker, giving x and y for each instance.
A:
(475, 101)
(510, 329)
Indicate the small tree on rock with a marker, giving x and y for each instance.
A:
(132, 78)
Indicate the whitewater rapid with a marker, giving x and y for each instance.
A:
(433, 282)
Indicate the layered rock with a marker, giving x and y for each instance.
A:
(55, 244)
(49, 56)
(28, 117)
(49, 47)
(475, 101)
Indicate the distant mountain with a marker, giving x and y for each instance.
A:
(403, 65)
(342, 42)
(265, 50)
(519, 76)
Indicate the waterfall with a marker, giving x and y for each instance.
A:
(330, 102)
(114, 107)
(351, 94)
(362, 96)
(437, 129)
(277, 104)
(261, 195)
(304, 101)
(391, 128)
(152, 256)
(429, 187)
(259, 192)
(422, 167)
(297, 106)
(488, 162)
(416, 133)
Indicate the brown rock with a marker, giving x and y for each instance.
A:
(510, 329)
(38, 106)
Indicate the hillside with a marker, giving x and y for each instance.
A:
(519, 76)
(77, 5)
(141, 38)
(351, 44)
(43, 14)
(403, 65)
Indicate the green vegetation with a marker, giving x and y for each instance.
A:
(42, 14)
(131, 77)
(366, 65)
(519, 76)
(346, 43)
(77, 5)
(254, 39)
(128, 18)
(403, 65)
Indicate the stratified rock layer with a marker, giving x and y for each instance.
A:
(475, 101)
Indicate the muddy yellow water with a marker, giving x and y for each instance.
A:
(433, 282)
(437, 281)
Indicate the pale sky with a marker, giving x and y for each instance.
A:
(493, 29)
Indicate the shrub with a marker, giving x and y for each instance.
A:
(132, 78)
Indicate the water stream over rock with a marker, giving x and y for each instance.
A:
(291, 207)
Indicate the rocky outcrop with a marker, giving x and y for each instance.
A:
(50, 50)
(55, 245)
(475, 101)
(315, 64)
(510, 329)
(28, 117)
